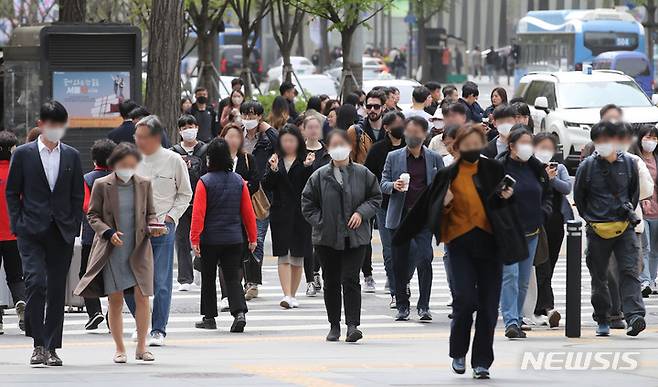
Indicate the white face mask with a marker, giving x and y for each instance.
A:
(504, 129)
(649, 145)
(189, 134)
(604, 149)
(544, 155)
(339, 153)
(54, 134)
(125, 174)
(524, 151)
(249, 124)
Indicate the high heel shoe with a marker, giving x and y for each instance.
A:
(144, 356)
(120, 358)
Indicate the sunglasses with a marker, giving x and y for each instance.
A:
(373, 106)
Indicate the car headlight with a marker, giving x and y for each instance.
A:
(571, 124)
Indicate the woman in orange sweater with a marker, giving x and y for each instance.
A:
(467, 209)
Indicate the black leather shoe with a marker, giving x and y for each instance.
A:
(403, 314)
(38, 356)
(353, 334)
(206, 323)
(239, 323)
(513, 332)
(53, 360)
(334, 333)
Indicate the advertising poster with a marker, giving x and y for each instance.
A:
(92, 97)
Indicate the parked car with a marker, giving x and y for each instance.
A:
(632, 63)
(567, 104)
(372, 68)
(230, 61)
(300, 65)
(312, 84)
(406, 87)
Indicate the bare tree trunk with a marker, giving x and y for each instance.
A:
(245, 73)
(349, 84)
(163, 81)
(300, 41)
(286, 67)
(650, 26)
(72, 11)
(324, 50)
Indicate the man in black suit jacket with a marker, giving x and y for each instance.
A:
(126, 131)
(44, 196)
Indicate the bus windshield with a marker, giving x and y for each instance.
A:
(585, 95)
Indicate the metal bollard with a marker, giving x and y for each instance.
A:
(574, 261)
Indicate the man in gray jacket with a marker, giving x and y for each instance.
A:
(407, 172)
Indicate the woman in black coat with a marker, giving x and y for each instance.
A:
(468, 209)
(286, 175)
(244, 164)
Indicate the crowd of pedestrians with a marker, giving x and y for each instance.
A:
(445, 170)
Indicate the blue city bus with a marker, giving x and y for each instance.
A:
(563, 40)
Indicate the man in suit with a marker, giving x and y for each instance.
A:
(45, 193)
(421, 164)
(126, 131)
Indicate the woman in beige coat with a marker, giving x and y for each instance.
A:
(121, 260)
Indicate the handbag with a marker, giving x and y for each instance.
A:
(259, 200)
(541, 255)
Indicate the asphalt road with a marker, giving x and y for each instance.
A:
(287, 347)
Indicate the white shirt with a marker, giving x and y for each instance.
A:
(235, 163)
(50, 162)
(170, 181)
(420, 113)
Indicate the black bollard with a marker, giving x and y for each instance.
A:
(574, 258)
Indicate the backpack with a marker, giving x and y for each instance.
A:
(196, 163)
(361, 143)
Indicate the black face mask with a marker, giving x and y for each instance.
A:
(471, 156)
(397, 132)
(202, 100)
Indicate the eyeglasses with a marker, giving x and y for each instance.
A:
(373, 106)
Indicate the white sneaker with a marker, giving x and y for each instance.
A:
(223, 305)
(540, 320)
(157, 340)
(133, 337)
(286, 302)
(294, 302)
(184, 287)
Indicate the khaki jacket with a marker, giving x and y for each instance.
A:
(102, 215)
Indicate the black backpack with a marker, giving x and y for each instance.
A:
(196, 163)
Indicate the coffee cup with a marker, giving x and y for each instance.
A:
(406, 178)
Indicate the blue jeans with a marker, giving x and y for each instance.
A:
(385, 236)
(163, 278)
(650, 251)
(515, 286)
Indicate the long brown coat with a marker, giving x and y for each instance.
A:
(102, 216)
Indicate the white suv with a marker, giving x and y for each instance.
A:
(568, 104)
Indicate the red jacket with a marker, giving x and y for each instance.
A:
(5, 230)
(199, 214)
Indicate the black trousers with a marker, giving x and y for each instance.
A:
(184, 248)
(626, 248)
(477, 273)
(555, 234)
(340, 268)
(46, 261)
(230, 259)
(93, 305)
(10, 258)
(311, 266)
(366, 267)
